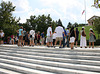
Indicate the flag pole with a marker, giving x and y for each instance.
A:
(85, 10)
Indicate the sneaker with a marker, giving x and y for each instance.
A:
(72, 48)
(60, 47)
(51, 46)
(54, 46)
(48, 46)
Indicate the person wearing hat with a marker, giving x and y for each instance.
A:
(83, 42)
(92, 38)
(1, 36)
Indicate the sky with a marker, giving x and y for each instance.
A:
(66, 10)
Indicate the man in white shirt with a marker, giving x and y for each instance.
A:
(59, 34)
(32, 36)
(49, 35)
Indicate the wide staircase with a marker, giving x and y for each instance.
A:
(26, 60)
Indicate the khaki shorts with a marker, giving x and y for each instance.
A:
(32, 38)
(59, 38)
(49, 39)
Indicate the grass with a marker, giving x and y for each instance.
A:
(87, 32)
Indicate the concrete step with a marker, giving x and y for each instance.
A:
(53, 54)
(41, 67)
(70, 52)
(50, 63)
(72, 61)
(5, 71)
(54, 49)
(22, 70)
(32, 60)
(46, 55)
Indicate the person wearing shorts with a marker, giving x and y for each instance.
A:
(32, 35)
(20, 36)
(49, 35)
(59, 34)
(72, 37)
(24, 34)
(12, 39)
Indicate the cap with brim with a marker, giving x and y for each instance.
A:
(83, 27)
(91, 29)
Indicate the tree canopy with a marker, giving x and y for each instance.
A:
(96, 24)
(39, 23)
(7, 22)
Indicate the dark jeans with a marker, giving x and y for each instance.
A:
(64, 42)
(54, 41)
(67, 41)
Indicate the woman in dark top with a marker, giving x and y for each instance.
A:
(35, 40)
(38, 38)
(27, 41)
(72, 37)
(77, 35)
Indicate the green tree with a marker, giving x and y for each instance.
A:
(75, 24)
(96, 25)
(40, 23)
(96, 4)
(7, 22)
(69, 25)
(59, 22)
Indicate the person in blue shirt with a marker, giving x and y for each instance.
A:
(42, 38)
(64, 37)
(20, 36)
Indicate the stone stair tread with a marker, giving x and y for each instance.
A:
(46, 48)
(44, 61)
(23, 69)
(57, 53)
(53, 57)
(74, 66)
(53, 51)
(5, 71)
(54, 69)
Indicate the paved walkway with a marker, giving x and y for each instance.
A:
(44, 47)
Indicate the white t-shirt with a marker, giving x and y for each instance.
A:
(54, 36)
(67, 32)
(59, 31)
(48, 31)
(1, 34)
(32, 32)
